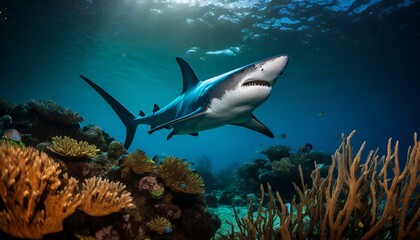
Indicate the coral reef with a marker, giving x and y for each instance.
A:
(359, 201)
(283, 167)
(69, 147)
(102, 197)
(177, 175)
(280, 173)
(29, 178)
(115, 150)
(160, 225)
(155, 189)
(139, 163)
(96, 136)
(187, 212)
(55, 113)
(36, 203)
(167, 209)
(276, 152)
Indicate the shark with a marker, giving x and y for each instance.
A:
(227, 99)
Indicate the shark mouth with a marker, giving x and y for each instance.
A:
(254, 83)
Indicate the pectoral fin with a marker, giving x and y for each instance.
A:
(197, 113)
(254, 124)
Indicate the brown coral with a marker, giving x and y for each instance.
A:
(160, 225)
(69, 147)
(102, 197)
(177, 175)
(55, 113)
(29, 177)
(139, 162)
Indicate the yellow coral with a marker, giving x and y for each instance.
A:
(70, 147)
(139, 162)
(160, 225)
(177, 175)
(102, 197)
(29, 177)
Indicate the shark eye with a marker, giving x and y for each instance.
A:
(260, 83)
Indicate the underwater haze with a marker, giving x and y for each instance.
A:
(352, 65)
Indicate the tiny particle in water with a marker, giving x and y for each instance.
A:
(321, 113)
(183, 185)
(283, 135)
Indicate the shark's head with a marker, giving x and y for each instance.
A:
(263, 73)
(248, 87)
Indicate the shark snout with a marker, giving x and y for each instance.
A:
(266, 72)
(276, 65)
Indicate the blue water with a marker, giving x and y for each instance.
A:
(352, 65)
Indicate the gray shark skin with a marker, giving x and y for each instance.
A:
(229, 98)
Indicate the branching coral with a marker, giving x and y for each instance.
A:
(160, 225)
(102, 197)
(177, 175)
(34, 201)
(139, 162)
(29, 177)
(361, 202)
(54, 112)
(72, 148)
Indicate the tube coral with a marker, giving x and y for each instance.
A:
(70, 147)
(177, 175)
(102, 197)
(29, 189)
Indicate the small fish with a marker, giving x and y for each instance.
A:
(13, 134)
(167, 229)
(283, 135)
(321, 113)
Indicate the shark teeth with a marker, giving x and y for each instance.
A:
(254, 83)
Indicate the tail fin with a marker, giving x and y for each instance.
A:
(126, 117)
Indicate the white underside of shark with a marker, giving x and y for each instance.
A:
(229, 98)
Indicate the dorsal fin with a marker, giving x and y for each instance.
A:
(189, 78)
(155, 108)
(142, 114)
